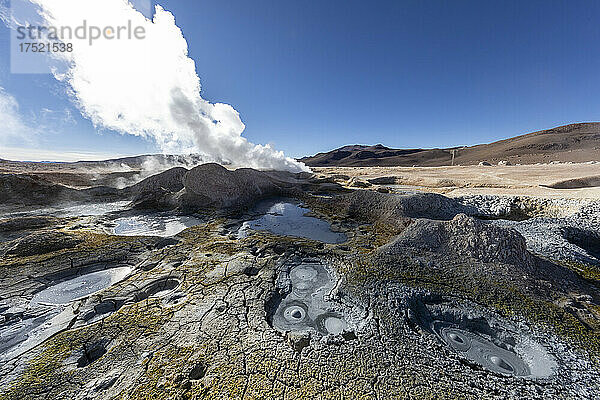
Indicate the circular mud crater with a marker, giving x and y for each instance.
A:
(295, 312)
(482, 351)
(331, 323)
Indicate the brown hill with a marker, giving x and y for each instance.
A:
(569, 143)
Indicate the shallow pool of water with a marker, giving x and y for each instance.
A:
(288, 219)
(80, 287)
(92, 209)
(153, 225)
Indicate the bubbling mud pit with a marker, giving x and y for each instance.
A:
(306, 307)
(288, 219)
(489, 343)
(481, 351)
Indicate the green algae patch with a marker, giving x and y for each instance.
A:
(586, 271)
(45, 372)
(163, 376)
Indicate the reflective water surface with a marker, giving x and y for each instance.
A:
(288, 219)
(153, 225)
(80, 287)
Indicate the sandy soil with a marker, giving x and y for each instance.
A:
(524, 180)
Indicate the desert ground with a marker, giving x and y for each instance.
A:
(581, 181)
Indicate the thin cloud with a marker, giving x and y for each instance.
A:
(37, 155)
(14, 129)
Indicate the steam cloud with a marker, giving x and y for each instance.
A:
(150, 87)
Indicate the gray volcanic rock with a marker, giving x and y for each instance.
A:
(156, 191)
(25, 223)
(383, 180)
(170, 180)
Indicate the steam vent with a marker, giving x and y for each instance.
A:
(213, 283)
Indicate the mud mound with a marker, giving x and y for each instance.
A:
(579, 183)
(32, 190)
(213, 186)
(41, 243)
(373, 206)
(170, 180)
(464, 237)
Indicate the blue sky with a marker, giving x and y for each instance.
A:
(311, 76)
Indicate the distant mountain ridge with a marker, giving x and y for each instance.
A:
(578, 142)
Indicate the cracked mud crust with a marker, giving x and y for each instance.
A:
(194, 319)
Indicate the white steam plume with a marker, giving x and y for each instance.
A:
(149, 87)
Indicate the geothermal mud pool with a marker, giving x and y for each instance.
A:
(50, 310)
(481, 351)
(80, 287)
(306, 306)
(288, 219)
